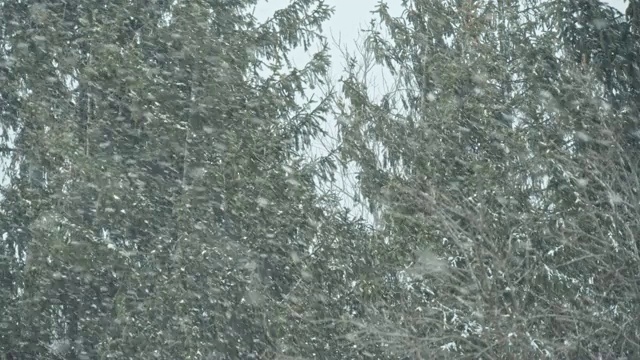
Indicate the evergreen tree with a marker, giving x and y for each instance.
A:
(161, 205)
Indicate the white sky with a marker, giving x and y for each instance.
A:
(618, 4)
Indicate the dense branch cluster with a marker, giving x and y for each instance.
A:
(163, 195)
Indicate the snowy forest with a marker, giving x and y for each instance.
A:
(162, 195)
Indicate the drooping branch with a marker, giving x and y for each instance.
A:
(6, 149)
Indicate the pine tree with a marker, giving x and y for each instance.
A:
(162, 205)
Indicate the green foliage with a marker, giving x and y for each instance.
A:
(161, 206)
(496, 150)
(160, 199)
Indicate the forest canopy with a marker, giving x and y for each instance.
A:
(163, 196)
